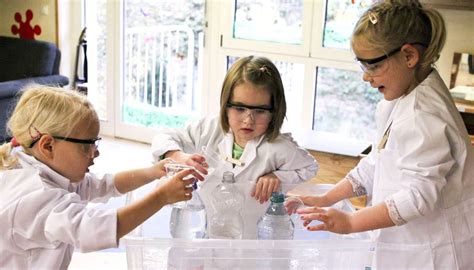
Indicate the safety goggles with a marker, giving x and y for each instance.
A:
(376, 66)
(240, 112)
(90, 146)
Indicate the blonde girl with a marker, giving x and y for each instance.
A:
(45, 184)
(419, 174)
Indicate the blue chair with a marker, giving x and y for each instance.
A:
(25, 62)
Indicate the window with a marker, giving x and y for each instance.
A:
(323, 85)
(347, 108)
(282, 23)
(162, 44)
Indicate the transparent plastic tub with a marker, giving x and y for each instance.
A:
(150, 246)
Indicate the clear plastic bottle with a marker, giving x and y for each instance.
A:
(227, 202)
(276, 224)
(188, 218)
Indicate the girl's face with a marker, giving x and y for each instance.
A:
(391, 75)
(249, 112)
(72, 160)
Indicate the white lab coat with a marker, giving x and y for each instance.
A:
(43, 216)
(425, 175)
(290, 163)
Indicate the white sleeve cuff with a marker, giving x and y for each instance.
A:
(393, 212)
(357, 187)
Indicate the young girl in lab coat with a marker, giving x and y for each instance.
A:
(247, 133)
(45, 184)
(420, 173)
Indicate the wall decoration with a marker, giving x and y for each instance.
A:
(26, 30)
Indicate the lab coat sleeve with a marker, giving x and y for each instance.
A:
(57, 217)
(363, 174)
(97, 190)
(425, 159)
(186, 140)
(297, 164)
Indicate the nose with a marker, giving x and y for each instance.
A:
(96, 153)
(366, 77)
(248, 117)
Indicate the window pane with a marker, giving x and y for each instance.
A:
(345, 104)
(163, 43)
(96, 18)
(341, 17)
(269, 20)
(292, 78)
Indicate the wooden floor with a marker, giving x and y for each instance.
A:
(333, 168)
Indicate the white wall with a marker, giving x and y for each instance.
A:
(460, 38)
(44, 15)
(69, 30)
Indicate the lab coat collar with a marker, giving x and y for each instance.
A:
(29, 162)
(248, 156)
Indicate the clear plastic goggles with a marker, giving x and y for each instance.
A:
(376, 66)
(240, 112)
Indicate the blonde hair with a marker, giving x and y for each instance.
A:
(389, 24)
(49, 110)
(262, 73)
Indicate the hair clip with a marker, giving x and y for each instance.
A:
(34, 139)
(14, 142)
(373, 17)
(265, 70)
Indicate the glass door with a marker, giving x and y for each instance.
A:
(162, 48)
(147, 59)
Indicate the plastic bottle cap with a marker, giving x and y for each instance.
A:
(228, 177)
(277, 197)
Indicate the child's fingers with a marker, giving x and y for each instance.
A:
(198, 175)
(188, 192)
(276, 186)
(309, 210)
(183, 173)
(200, 164)
(258, 190)
(319, 227)
(168, 160)
(252, 193)
(265, 191)
(198, 158)
(188, 181)
(292, 204)
(290, 208)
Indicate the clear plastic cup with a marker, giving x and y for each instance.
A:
(213, 160)
(293, 203)
(174, 168)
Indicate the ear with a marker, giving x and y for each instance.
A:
(45, 147)
(411, 55)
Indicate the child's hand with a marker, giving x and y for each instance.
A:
(334, 220)
(159, 168)
(195, 160)
(265, 186)
(292, 204)
(177, 188)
